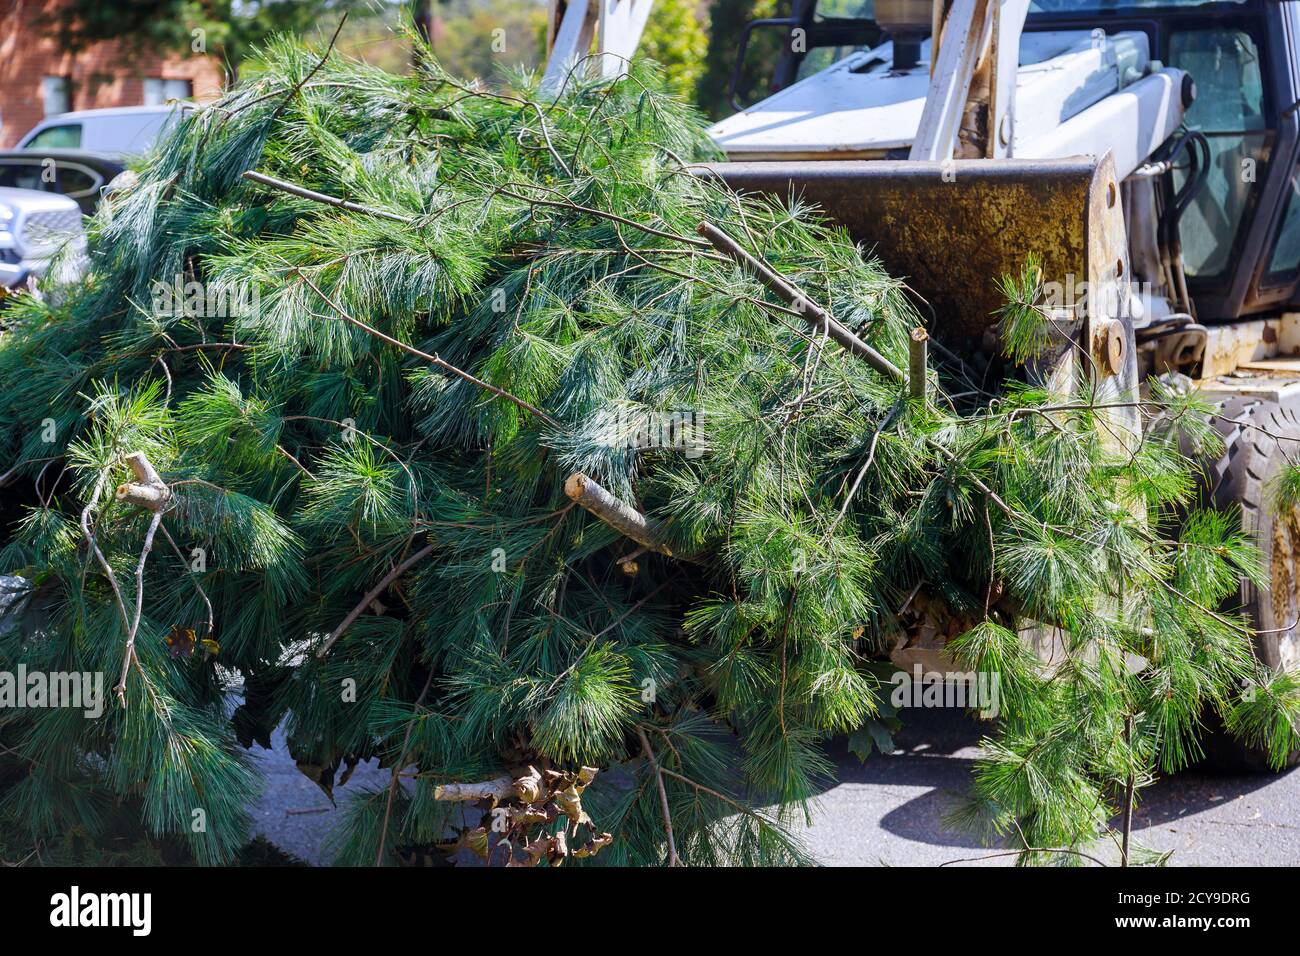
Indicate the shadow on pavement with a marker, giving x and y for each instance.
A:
(936, 749)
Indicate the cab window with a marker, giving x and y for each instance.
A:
(66, 136)
(1229, 110)
(21, 176)
(1286, 253)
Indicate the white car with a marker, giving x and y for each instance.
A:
(34, 226)
(117, 132)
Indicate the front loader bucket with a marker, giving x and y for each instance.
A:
(952, 229)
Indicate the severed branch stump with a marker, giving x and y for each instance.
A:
(499, 789)
(917, 347)
(148, 491)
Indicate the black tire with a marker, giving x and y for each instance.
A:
(1255, 433)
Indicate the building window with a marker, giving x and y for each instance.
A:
(56, 91)
(158, 91)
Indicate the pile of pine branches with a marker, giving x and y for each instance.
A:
(475, 433)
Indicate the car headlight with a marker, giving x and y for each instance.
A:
(6, 214)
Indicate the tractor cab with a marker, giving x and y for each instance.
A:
(1221, 235)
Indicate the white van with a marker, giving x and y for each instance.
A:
(117, 132)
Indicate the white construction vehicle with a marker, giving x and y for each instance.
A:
(1145, 150)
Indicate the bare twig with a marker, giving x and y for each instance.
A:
(373, 593)
(149, 492)
(99, 555)
(8, 477)
(1032, 849)
(397, 771)
(434, 359)
(193, 580)
(1129, 788)
(857, 481)
(129, 655)
(314, 70)
(601, 214)
(673, 859)
(717, 795)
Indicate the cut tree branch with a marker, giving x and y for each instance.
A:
(788, 292)
(148, 490)
(916, 363)
(619, 515)
(498, 789)
(304, 193)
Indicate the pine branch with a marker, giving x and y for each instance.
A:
(314, 70)
(433, 359)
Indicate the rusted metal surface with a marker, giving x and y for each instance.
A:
(1246, 344)
(949, 229)
(1110, 346)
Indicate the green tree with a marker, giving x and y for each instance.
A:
(676, 36)
(727, 18)
(228, 29)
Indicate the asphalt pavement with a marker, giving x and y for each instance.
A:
(889, 810)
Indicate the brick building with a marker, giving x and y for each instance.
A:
(39, 79)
